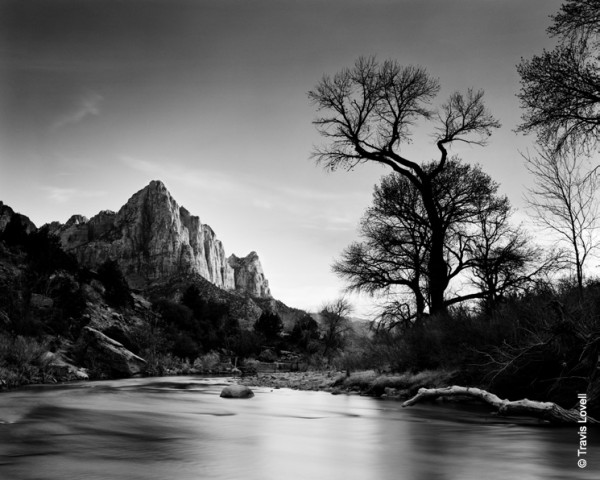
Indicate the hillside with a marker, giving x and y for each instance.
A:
(146, 290)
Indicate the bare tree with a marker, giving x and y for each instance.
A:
(564, 201)
(368, 112)
(393, 253)
(560, 89)
(480, 243)
(503, 259)
(336, 325)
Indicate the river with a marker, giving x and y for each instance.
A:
(179, 428)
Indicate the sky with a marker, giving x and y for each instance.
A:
(98, 98)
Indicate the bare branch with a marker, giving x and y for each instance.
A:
(545, 410)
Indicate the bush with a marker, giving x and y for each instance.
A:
(20, 360)
(207, 362)
(267, 356)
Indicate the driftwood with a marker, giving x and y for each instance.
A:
(543, 410)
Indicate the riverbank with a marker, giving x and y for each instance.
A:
(368, 382)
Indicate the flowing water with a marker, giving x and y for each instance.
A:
(179, 428)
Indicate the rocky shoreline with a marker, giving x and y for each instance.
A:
(368, 383)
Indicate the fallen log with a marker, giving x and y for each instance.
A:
(543, 410)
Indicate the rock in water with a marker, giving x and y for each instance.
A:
(237, 391)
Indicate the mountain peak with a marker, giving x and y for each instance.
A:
(156, 185)
(154, 239)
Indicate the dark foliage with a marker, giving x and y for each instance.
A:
(118, 293)
(559, 88)
(305, 330)
(69, 299)
(45, 254)
(270, 325)
(181, 331)
(211, 319)
(15, 232)
(245, 343)
(541, 345)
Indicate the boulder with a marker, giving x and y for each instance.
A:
(111, 353)
(237, 391)
(62, 367)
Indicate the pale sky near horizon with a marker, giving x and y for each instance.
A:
(98, 98)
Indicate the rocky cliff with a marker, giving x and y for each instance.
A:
(7, 215)
(249, 276)
(153, 238)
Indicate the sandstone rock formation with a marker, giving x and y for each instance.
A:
(249, 276)
(153, 238)
(112, 354)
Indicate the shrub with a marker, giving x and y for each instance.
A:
(268, 356)
(207, 362)
(20, 360)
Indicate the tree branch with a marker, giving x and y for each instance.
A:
(543, 410)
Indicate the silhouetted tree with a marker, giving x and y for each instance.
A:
(368, 112)
(560, 88)
(479, 242)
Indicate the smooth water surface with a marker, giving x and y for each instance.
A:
(179, 428)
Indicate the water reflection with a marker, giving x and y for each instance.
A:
(179, 428)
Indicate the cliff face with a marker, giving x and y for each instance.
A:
(153, 238)
(249, 276)
(7, 215)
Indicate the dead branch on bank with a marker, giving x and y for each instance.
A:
(543, 410)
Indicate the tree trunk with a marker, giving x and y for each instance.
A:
(437, 282)
(544, 410)
(437, 269)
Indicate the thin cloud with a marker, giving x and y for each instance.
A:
(310, 194)
(88, 105)
(207, 180)
(65, 195)
(141, 165)
(313, 209)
